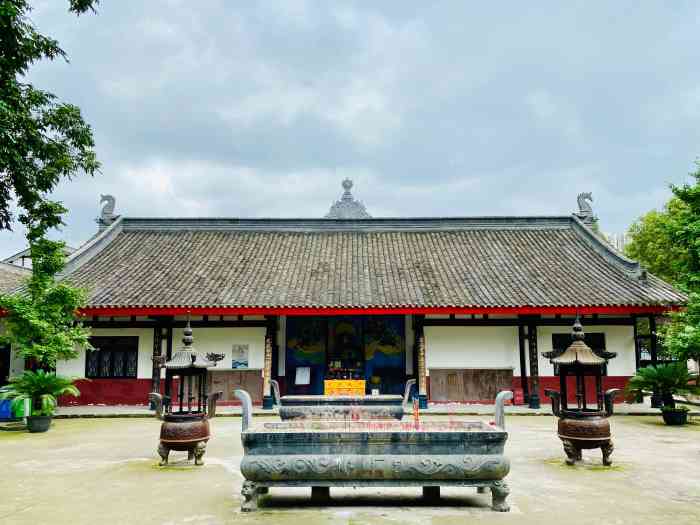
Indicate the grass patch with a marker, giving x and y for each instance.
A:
(584, 465)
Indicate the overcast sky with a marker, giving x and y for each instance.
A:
(432, 108)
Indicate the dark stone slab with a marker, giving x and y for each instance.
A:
(341, 412)
(381, 400)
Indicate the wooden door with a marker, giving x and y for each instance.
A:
(230, 380)
(469, 385)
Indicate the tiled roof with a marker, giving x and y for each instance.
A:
(369, 263)
(11, 276)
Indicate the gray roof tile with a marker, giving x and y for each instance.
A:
(11, 277)
(479, 262)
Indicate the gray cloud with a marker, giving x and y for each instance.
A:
(440, 108)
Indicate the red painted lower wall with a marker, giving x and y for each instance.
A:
(118, 392)
(135, 391)
(552, 383)
(110, 392)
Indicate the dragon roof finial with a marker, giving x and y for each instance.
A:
(107, 215)
(585, 210)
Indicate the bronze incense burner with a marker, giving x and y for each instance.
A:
(582, 427)
(186, 429)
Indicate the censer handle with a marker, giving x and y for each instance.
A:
(157, 401)
(500, 413)
(407, 391)
(211, 403)
(246, 408)
(610, 400)
(275, 390)
(556, 400)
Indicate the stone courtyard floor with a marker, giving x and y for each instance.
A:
(104, 471)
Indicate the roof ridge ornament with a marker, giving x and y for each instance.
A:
(107, 215)
(347, 207)
(585, 210)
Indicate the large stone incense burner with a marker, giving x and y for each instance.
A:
(580, 426)
(324, 454)
(186, 428)
(338, 408)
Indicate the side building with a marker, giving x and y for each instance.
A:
(11, 277)
(464, 305)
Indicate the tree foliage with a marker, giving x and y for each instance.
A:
(686, 234)
(42, 140)
(40, 320)
(682, 335)
(668, 244)
(652, 242)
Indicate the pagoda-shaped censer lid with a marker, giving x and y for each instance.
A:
(578, 351)
(187, 356)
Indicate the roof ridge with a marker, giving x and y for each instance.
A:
(604, 248)
(91, 248)
(316, 224)
(14, 267)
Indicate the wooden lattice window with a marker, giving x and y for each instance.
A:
(112, 357)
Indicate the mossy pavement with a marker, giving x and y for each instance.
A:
(105, 471)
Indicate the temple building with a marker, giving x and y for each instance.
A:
(465, 305)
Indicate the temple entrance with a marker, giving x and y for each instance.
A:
(369, 349)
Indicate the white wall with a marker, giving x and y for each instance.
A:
(497, 347)
(618, 339)
(216, 340)
(471, 346)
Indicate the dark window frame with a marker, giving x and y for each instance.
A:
(128, 345)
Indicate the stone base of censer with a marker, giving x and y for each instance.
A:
(582, 433)
(184, 432)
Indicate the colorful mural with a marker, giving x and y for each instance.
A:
(385, 354)
(306, 347)
(374, 344)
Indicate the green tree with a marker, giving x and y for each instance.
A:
(682, 335)
(652, 242)
(40, 320)
(42, 140)
(686, 233)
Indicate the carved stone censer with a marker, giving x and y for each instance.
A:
(581, 427)
(187, 428)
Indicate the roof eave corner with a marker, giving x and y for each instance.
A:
(630, 267)
(91, 248)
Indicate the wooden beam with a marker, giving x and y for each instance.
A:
(332, 311)
(177, 324)
(539, 321)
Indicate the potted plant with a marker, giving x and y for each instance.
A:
(42, 389)
(668, 380)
